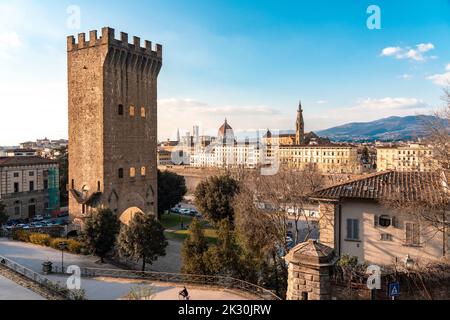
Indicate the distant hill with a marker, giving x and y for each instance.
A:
(388, 129)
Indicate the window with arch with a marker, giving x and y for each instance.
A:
(132, 111)
(143, 171)
(120, 109)
(132, 172)
(143, 112)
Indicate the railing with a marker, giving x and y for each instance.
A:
(219, 281)
(53, 287)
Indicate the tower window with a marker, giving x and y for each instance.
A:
(120, 173)
(132, 111)
(142, 112)
(132, 172)
(143, 171)
(120, 110)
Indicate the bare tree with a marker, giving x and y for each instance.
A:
(430, 205)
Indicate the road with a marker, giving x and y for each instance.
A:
(32, 256)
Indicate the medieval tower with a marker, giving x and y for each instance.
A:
(300, 127)
(112, 124)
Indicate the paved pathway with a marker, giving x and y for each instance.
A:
(10, 290)
(32, 256)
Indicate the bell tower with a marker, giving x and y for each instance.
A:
(300, 126)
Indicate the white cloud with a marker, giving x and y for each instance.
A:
(322, 102)
(406, 76)
(183, 113)
(442, 79)
(417, 54)
(391, 51)
(424, 47)
(8, 42)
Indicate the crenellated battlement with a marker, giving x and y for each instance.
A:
(108, 38)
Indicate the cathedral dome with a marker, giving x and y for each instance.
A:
(226, 132)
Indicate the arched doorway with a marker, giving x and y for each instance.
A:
(128, 214)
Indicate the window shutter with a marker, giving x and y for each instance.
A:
(375, 221)
(356, 229)
(416, 234)
(408, 231)
(395, 222)
(349, 229)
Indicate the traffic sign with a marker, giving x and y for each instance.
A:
(394, 289)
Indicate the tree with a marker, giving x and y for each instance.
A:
(63, 162)
(171, 190)
(194, 248)
(142, 239)
(100, 232)
(224, 258)
(3, 215)
(214, 198)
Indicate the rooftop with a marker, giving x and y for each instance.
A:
(24, 161)
(410, 186)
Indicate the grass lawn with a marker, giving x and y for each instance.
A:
(172, 221)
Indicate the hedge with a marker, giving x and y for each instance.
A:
(72, 246)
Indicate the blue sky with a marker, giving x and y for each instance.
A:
(249, 61)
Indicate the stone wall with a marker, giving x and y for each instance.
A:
(308, 283)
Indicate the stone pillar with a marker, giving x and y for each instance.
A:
(309, 271)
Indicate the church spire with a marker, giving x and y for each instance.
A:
(300, 126)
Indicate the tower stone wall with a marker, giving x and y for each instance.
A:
(112, 123)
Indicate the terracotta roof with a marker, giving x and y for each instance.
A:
(224, 128)
(413, 186)
(311, 252)
(24, 161)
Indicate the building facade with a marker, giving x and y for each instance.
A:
(226, 152)
(324, 159)
(112, 124)
(355, 219)
(408, 157)
(29, 186)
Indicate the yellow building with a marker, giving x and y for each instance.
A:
(409, 157)
(324, 158)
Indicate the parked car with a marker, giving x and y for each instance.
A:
(175, 210)
(38, 218)
(63, 215)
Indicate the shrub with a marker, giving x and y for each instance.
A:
(348, 261)
(74, 246)
(21, 235)
(40, 239)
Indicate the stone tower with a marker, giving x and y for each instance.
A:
(112, 124)
(300, 127)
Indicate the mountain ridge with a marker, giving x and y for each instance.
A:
(387, 129)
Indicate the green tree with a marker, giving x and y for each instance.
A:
(63, 161)
(100, 232)
(365, 156)
(3, 215)
(193, 250)
(224, 258)
(214, 198)
(143, 239)
(171, 190)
